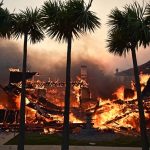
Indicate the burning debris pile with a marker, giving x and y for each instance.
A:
(45, 105)
(121, 113)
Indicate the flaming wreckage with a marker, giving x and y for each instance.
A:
(45, 105)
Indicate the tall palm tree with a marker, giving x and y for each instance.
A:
(27, 24)
(5, 22)
(64, 21)
(128, 31)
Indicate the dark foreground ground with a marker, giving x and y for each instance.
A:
(103, 140)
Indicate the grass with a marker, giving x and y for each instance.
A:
(41, 139)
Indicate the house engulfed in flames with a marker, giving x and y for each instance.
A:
(45, 105)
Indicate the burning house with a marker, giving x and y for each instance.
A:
(44, 100)
(45, 105)
(127, 76)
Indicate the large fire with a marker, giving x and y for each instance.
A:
(121, 112)
(45, 106)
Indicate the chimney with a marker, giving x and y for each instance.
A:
(84, 72)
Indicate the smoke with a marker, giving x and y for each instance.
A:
(52, 65)
(10, 57)
(100, 82)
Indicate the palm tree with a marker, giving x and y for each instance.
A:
(64, 21)
(5, 22)
(128, 31)
(27, 24)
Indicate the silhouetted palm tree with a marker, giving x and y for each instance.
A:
(64, 21)
(5, 22)
(26, 24)
(128, 31)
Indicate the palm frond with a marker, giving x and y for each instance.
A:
(5, 22)
(132, 26)
(1, 3)
(117, 19)
(118, 43)
(69, 18)
(28, 22)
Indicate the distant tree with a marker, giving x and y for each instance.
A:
(27, 24)
(64, 21)
(129, 30)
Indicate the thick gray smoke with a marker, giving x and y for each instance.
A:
(10, 57)
(100, 83)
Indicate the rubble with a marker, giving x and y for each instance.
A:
(88, 114)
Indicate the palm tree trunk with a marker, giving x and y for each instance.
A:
(65, 140)
(23, 95)
(144, 138)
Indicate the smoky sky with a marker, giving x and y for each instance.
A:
(10, 57)
(101, 83)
